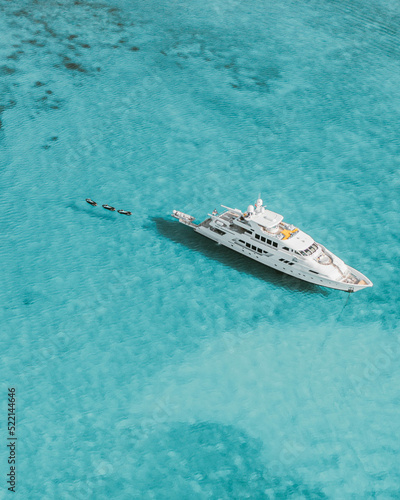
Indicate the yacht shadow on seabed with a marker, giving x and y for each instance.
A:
(186, 236)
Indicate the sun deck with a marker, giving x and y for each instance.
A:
(267, 218)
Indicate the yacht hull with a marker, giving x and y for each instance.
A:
(273, 261)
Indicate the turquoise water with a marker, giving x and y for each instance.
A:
(150, 362)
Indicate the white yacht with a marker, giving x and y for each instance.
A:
(263, 236)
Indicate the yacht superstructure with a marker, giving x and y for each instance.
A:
(262, 235)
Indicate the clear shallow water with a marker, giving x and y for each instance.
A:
(149, 362)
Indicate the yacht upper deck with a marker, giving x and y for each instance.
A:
(268, 224)
(266, 218)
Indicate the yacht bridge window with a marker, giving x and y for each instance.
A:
(308, 251)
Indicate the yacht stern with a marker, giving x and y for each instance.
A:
(184, 218)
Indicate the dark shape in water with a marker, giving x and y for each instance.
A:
(108, 207)
(54, 138)
(75, 67)
(49, 92)
(91, 202)
(85, 45)
(134, 49)
(39, 84)
(10, 104)
(5, 70)
(13, 56)
(71, 37)
(260, 83)
(124, 212)
(33, 42)
(20, 13)
(204, 447)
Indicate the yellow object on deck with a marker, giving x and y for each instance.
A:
(287, 233)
